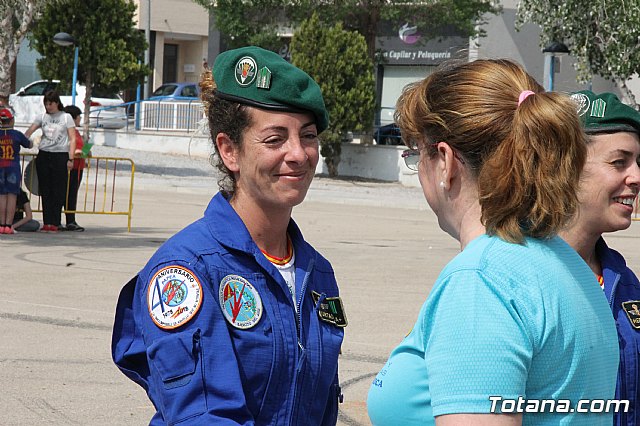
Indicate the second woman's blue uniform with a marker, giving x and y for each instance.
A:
(210, 330)
(623, 293)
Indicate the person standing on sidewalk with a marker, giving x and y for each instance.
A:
(237, 319)
(517, 313)
(55, 158)
(75, 176)
(608, 190)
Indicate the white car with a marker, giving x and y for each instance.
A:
(106, 108)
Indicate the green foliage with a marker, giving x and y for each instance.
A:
(337, 59)
(430, 16)
(250, 22)
(111, 48)
(601, 35)
(15, 19)
(246, 22)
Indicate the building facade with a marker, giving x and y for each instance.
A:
(178, 34)
(178, 39)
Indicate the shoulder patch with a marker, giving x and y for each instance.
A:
(174, 296)
(240, 302)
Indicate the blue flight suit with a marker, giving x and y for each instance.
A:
(283, 370)
(620, 286)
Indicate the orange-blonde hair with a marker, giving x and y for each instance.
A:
(527, 158)
(226, 117)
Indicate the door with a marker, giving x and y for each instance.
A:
(170, 63)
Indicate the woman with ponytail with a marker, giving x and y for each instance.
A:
(517, 316)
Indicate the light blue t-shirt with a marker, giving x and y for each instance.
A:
(504, 320)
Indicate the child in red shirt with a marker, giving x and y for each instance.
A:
(75, 175)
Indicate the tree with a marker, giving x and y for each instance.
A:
(111, 48)
(349, 93)
(601, 35)
(462, 17)
(15, 19)
(239, 24)
(255, 22)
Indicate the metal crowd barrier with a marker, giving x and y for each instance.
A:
(104, 181)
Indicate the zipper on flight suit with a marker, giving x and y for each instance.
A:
(302, 352)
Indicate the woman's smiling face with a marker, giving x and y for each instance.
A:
(277, 159)
(610, 182)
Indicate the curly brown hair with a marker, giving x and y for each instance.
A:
(226, 117)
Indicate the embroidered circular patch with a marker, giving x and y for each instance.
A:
(240, 302)
(173, 297)
(246, 70)
(582, 103)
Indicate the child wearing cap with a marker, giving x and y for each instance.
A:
(608, 190)
(10, 177)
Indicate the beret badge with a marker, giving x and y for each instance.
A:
(245, 71)
(582, 103)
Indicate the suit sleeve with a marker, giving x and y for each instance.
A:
(182, 356)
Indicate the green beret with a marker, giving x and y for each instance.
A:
(263, 79)
(604, 113)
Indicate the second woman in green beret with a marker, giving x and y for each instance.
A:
(608, 190)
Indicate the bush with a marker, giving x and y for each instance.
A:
(337, 59)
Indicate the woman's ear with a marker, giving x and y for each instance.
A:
(228, 151)
(447, 165)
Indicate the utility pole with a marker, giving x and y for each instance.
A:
(147, 34)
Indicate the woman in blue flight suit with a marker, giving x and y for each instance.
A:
(237, 319)
(609, 187)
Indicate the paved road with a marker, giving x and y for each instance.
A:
(60, 290)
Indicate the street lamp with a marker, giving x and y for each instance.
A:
(64, 39)
(553, 49)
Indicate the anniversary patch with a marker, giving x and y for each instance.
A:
(173, 297)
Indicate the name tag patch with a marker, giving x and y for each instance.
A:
(330, 310)
(174, 296)
(632, 308)
(240, 302)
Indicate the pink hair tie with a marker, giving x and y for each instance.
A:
(524, 95)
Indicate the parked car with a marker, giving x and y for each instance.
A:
(388, 135)
(106, 107)
(176, 91)
(387, 131)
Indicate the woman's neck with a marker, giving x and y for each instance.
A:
(584, 243)
(267, 229)
(471, 227)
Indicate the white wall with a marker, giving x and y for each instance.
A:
(396, 77)
(174, 16)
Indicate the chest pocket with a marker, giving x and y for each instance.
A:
(247, 306)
